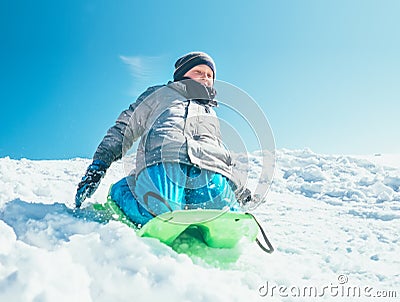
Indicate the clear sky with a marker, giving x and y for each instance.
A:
(325, 73)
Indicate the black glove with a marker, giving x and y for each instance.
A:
(90, 181)
(244, 196)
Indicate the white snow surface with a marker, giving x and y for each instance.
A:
(334, 221)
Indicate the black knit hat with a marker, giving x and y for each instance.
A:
(190, 60)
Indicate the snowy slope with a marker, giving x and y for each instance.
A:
(334, 221)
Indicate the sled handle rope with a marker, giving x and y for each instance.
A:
(156, 196)
(268, 249)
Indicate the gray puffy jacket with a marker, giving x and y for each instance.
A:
(176, 123)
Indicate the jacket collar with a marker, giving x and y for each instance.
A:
(196, 91)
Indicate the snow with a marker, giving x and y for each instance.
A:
(334, 221)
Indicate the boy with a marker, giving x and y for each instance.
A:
(181, 162)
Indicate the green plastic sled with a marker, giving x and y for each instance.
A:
(219, 229)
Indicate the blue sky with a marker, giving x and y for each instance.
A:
(325, 73)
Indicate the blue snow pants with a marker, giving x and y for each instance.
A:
(166, 187)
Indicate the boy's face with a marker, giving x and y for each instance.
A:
(202, 74)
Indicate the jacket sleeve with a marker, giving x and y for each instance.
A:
(127, 129)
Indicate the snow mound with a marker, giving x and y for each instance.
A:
(333, 220)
